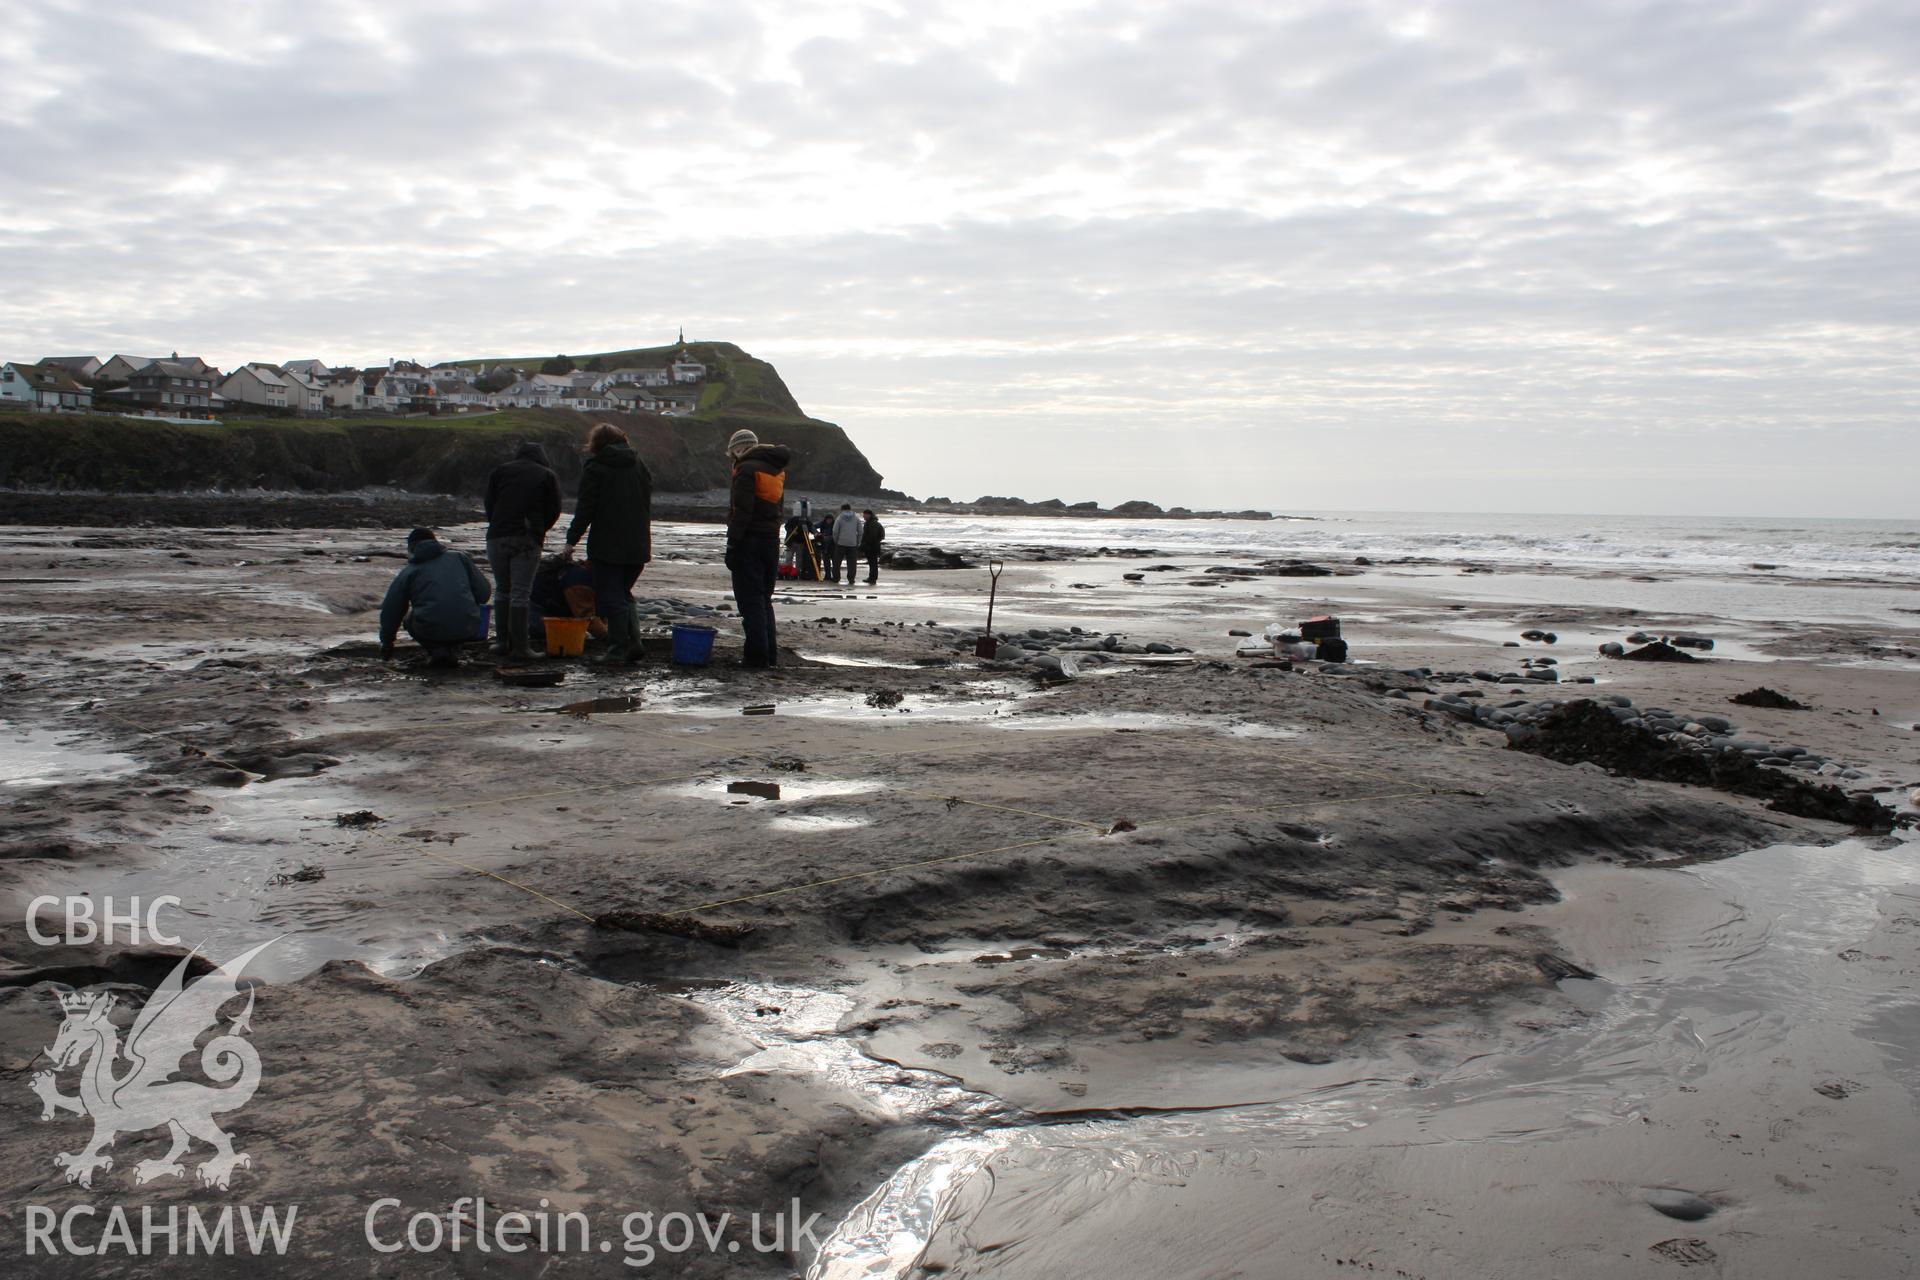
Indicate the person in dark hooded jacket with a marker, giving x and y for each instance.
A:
(824, 548)
(437, 596)
(756, 501)
(872, 534)
(614, 512)
(523, 502)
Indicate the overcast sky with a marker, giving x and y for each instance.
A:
(1533, 255)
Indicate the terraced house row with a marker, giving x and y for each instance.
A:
(188, 387)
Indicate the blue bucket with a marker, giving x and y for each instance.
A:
(486, 619)
(692, 645)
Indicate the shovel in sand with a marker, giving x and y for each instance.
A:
(986, 646)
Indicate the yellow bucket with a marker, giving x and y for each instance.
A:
(566, 637)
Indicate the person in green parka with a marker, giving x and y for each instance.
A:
(614, 512)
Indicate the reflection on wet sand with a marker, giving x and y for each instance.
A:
(1728, 996)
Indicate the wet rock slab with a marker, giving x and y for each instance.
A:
(1585, 732)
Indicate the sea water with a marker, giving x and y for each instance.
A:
(1796, 547)
(1886, 550)
(1753, 569)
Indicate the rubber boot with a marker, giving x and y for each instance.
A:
(622, 632)
(502, 643)
(635, 650)
(520, 643)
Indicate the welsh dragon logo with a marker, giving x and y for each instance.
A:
(145, 1096)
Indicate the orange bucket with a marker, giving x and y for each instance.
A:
(566, 637)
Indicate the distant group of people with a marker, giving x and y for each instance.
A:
(437, 596)
(837, 544)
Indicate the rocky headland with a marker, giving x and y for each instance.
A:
(105, 469)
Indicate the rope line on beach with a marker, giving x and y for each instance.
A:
(1249, 746)
(998, 808)
(1424, 792)
(449, 810)
(1103, 826)
(420, 847)
(1002, 808)
(465, 724)
(444, 811)
(711, 768)
(417, 845)
(863, 875)
(949, 798)
(175, 737)
(1027, 844)
(640, 726)
(468, 724)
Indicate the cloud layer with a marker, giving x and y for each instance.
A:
(1499, 256)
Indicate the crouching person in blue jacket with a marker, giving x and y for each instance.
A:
(438, 596)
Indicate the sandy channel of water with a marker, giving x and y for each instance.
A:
(1728, 987)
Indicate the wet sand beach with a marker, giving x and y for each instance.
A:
(1189, 965)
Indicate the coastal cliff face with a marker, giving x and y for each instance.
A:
(437, 456)
(443, 455)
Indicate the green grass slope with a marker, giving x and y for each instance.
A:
(450, 455)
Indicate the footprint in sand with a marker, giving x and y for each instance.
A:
(1688, 1253)
(1838, 1089)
